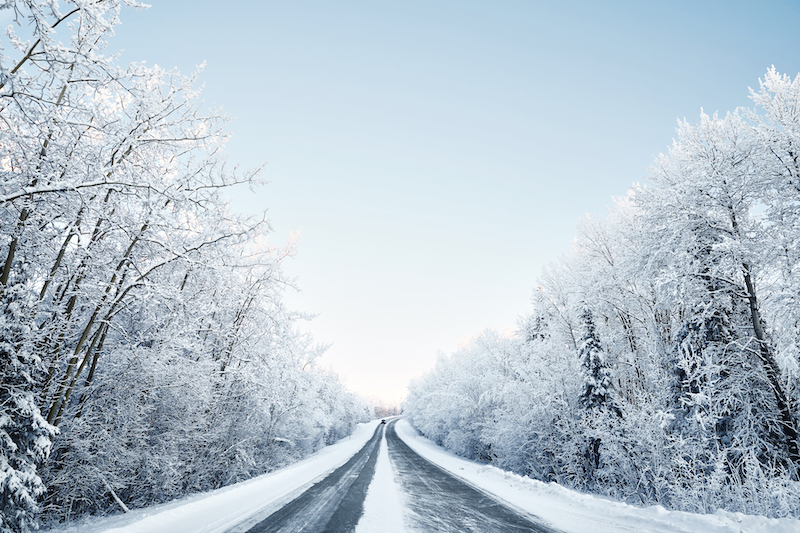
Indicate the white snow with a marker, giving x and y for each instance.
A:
(383, 507)
(227, 508)
(571, 511)
(224, 509)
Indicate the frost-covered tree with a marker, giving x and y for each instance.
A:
(692, 282)
(157, 314)
(597, 383)
(711, 251)
(596, 396)
(25, 437)
(775, 122)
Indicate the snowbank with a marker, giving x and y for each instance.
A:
(223, 509)
(571, 511)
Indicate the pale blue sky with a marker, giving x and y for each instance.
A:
(436, 155)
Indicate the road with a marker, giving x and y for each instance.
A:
(436, 501)
(439, 501)
(333, 504)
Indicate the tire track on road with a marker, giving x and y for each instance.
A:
(440, 502)
(332, 505)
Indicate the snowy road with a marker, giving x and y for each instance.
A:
(334, 504)
(438, 501)
(435, 500)
(406, 494)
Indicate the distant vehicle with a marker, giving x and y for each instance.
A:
(383, 421)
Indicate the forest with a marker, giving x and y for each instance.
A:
(660, 362)
(146, 349)
(147, 353)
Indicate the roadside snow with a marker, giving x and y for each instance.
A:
(571, 511)
(383, 507)
(224, 509)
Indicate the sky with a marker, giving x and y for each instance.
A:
(434, 156)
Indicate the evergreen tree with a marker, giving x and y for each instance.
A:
(596, 395)
(25, 437)
(597, 385)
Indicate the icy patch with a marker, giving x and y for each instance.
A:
(224, 509)
(574, 512)
(383, 507)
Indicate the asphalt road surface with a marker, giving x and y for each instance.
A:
(332, 505)
(436, 500)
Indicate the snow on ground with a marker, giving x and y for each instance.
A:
(574, 512)
(223, 509)
(383, 507)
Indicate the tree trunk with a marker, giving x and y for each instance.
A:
(788, 425)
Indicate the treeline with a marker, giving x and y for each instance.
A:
(145, 352)
(660, 363)
(383, 409)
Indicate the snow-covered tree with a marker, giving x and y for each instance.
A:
(596, 396)
(157, 314)
(775, 122)
(710, 250)
(25, 437)
(692, 282)
(597, 383)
